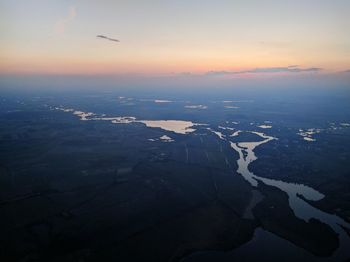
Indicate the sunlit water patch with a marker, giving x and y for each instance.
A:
(117, 120)
(166, 138)
(163, 138)
(231, 107)
(82, 115)
(162, 101)
(176, 126)
(265, 126)
(309, 133)
(217, 133)
(236, 133)
(226, 128)
(196, 107)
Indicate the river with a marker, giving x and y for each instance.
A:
(300, 207)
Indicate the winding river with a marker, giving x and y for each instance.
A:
(296, 192)
(300, 207)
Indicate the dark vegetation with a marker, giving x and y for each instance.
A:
(75, 190)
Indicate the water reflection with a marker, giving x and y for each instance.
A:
(295, 192)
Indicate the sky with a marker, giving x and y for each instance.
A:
(229, 39)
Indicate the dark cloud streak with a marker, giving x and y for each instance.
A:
(288, 69)
(108, 38)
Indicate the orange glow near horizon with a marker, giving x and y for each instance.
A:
(80, 64)
(104, 58)
(171, 40)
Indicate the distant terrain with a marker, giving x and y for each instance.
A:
(97, 177)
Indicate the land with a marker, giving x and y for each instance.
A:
(74, 190)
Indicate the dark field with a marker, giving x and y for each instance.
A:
(73, 190)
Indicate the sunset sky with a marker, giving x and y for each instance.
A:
(174, 37)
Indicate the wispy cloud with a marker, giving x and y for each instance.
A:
(60, 26)
(107, 38)
(262, 70)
